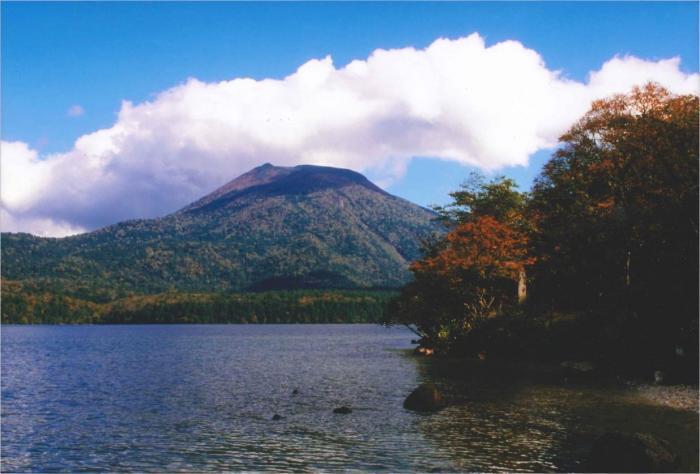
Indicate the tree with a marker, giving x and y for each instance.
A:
(616, 211)
(506, 210)
(498, 198)
(475, 270)
(482, 253)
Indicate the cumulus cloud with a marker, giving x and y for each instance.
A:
(485, 106)
(75, 111)
(41, 226)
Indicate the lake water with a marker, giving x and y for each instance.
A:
(201, 397)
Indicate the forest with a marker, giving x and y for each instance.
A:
(598, 262)
(26, 306)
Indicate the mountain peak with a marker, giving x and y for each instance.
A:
(257, 176)
(270, 180)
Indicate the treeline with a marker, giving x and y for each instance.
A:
(303, 306)
(598, 261)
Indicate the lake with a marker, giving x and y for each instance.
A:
(201, 397)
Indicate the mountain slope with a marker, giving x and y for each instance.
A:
(273, 227)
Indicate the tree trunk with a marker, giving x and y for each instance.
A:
(522, 286)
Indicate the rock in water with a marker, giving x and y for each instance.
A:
(425, 398)
(423, 351)
(659, 377)
(631, 452)
(581, 367)
(343, 410)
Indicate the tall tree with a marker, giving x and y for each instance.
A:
(617, 210)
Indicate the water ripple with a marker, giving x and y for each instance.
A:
(201, 398)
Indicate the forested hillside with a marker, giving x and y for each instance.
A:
(306, 227)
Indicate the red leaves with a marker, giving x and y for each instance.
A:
(483, 245)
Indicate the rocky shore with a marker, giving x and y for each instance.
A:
(684, 397)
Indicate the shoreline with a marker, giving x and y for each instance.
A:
(676, 396)
(680, 397)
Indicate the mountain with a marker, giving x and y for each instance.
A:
(270, 228)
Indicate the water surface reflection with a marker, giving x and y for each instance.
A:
(191, 398)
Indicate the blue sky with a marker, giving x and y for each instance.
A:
(95, 55)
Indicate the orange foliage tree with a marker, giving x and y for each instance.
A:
(476, 269)
(480, 252)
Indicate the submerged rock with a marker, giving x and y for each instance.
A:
(659, 377)
(425, 398)
(631, 452)
(425, 351)
(580, 367)
(344, 410)
(277, 417)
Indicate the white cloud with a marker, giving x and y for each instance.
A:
(75, 111)
(41, 226)
(458, 100)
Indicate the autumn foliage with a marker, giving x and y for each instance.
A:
(476, 270)
(609, 232)
(486, 247)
